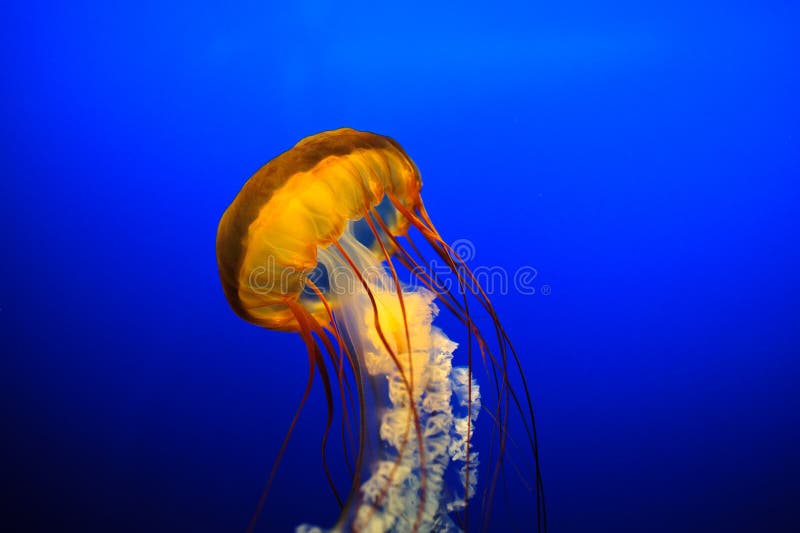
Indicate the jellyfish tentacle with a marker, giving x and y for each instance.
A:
(432, 236)
(428, 281)
(344, 384)
(452, 258)
(517, 468)
(465, 307)
(471, 327)
(426, 227)
(424, 277)
(307, 325)
(532, 433)
(503, 341)
(357, 373)
(328, 424)
(274, 470)
(312, 324)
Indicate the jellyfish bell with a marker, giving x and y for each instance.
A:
(312, 244)
(298, 202)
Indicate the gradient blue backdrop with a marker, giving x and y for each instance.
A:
(644, 159)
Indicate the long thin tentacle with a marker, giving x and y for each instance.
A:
(311, 364)
(425, 226)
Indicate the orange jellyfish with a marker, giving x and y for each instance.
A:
(316, 243)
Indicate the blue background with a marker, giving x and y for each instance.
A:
(644, 159)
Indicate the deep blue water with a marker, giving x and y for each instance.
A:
(643, 159)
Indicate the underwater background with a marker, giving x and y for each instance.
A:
(641, 160)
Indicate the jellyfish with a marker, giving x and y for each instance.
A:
(329, 241)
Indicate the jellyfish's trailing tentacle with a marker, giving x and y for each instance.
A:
(310, 346)
(467, 468)
(316, 328)
(461, 311)
(505, 340)
(429, 232)
(424, 224)
(451, 258)
(354, 365)
(344, 385)
(516, 445)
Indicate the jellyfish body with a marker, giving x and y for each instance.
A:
(312, 244)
